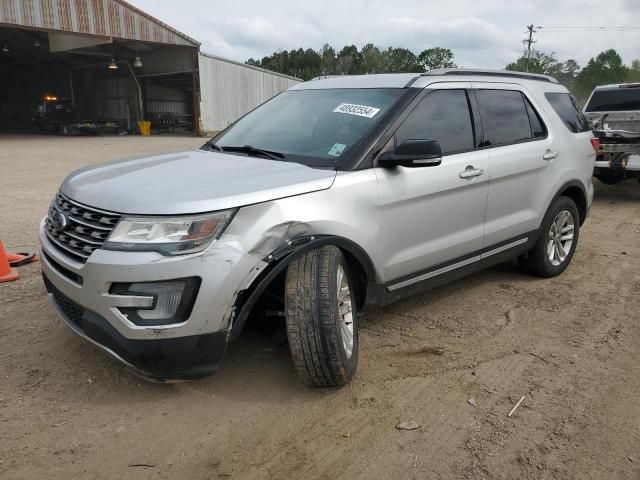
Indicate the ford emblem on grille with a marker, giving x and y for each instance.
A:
(59, 219)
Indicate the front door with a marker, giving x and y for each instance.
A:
(432, 218)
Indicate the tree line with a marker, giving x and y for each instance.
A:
(307, 64)
(607, 67)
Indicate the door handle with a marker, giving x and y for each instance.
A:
(549, 155)
(471, 172)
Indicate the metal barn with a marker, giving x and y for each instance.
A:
(96, 63)
(229, 89)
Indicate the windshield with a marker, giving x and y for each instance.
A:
(621, 100)
(314, 127)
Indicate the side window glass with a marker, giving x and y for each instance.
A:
(504, 117)
(537, 126)
(568, 111)
(442, 115)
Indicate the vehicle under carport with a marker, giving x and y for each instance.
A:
(90, 66)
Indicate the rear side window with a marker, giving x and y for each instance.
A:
(621, 100)
(443, 115)
(568, 112)
(504, 117)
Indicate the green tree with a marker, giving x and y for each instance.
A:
(568, 74)
(606, 68)
(372, 59)
(633, 74)
(399, 60)
(436, 57)
(539, 62)
(327, 60)
(348, 60)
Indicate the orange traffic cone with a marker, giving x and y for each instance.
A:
(7, 274)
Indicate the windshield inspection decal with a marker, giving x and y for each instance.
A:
(359, 110)
(337, 149)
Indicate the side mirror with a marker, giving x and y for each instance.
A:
(413, 153)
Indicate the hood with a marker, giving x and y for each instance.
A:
(191, 182)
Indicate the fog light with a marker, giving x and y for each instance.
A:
(173, 300)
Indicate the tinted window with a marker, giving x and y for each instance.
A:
(504, 117)
(621, 100)
(537, 126)
(444, 116)
(568, 112)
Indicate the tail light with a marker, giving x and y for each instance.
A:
(595, 143)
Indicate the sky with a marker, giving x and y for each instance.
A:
(481, 33)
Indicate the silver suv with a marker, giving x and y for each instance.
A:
(339, 193)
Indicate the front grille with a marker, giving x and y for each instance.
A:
(76, 229)
(71, 309)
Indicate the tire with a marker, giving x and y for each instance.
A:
(317, 323)
(538, 260)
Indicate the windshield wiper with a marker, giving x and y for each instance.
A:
(251, 150)
(212, 146)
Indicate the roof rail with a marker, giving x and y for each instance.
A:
(324, 77)
(490, 73)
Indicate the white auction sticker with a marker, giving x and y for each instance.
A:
(359, 110)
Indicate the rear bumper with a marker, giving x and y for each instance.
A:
(169, 359)
(619, 156)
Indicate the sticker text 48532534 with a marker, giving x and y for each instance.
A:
(359, 110)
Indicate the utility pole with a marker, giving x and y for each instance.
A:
(531, 29)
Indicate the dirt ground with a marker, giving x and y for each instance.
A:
(570, 345)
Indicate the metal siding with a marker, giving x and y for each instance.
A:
(161, 99)
(112, 18)
(229, 90)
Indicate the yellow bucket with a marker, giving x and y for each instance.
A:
(145, 128)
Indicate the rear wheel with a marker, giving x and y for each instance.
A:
(558, 239)
(320, 308)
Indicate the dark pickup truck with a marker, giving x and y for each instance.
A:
(52, 114)
(614, 111)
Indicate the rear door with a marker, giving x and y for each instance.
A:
(524, 159)
(433, 217)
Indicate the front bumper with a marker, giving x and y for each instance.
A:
(171, 359)
(80, 294)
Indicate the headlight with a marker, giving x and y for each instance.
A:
(168, 235)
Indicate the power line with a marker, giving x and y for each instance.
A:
(590, 28)
(531, 29)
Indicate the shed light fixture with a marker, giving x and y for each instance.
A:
(113, 65)
(137, 63)
(5, 49)
(36, 43)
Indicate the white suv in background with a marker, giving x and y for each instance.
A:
(339, 193)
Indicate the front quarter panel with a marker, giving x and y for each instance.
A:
(347, 209)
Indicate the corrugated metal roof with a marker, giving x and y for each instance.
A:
(109, 18)
(246, 65)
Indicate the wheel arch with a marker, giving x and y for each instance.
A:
(575, 190)
(277, 262)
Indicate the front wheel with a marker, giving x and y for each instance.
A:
(555, 247)
(320, 308)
